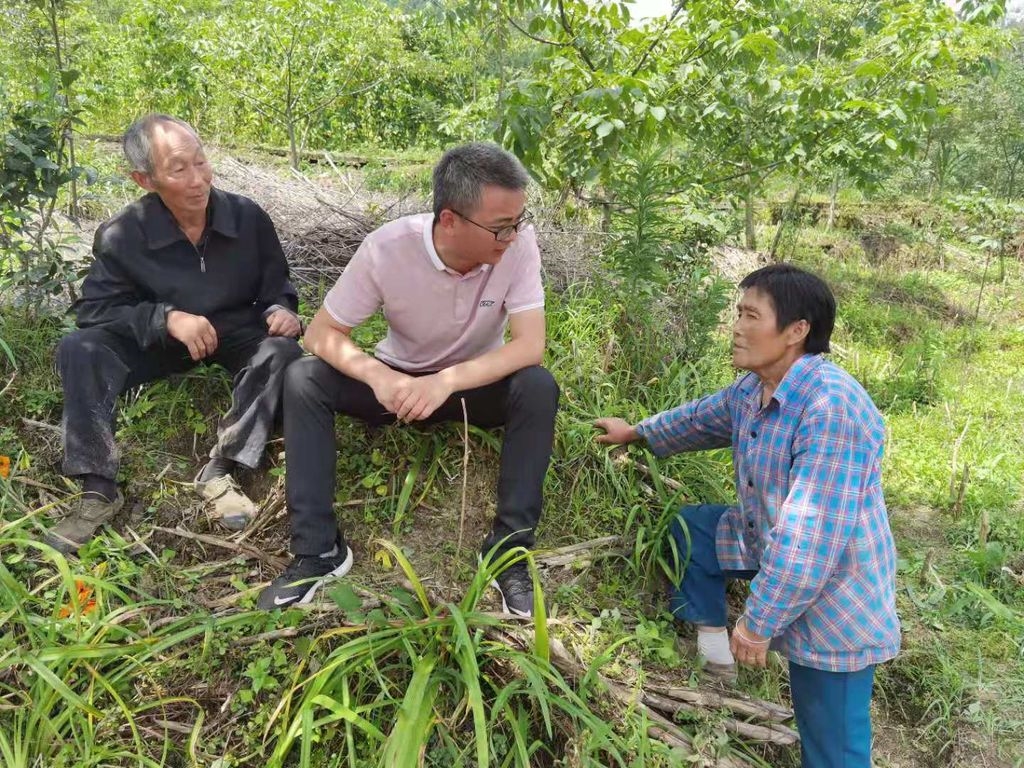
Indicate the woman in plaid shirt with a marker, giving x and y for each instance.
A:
(810, 530)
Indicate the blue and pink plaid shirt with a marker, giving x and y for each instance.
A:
(811, 518)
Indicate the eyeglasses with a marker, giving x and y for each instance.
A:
(501, 234)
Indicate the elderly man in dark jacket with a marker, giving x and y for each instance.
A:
(186, 274)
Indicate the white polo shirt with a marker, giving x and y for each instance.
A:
(436, 317)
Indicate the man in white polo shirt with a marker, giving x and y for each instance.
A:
(448, 282)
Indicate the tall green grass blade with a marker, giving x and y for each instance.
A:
(409, 483)
(541, 644)
(466, 653)
(410, 573)
(415, 718)
(8, 353)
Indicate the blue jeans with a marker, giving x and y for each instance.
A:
(833, 709)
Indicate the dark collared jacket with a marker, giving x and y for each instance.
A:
(144, 267)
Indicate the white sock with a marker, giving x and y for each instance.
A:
(714, 647)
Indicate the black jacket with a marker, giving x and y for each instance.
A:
(144, 266)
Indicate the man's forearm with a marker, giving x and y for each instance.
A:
(340, 352)
(492, 366)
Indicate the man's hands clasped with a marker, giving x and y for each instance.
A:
(411, 398)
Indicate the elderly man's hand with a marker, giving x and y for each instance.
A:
(282, 322)
(748, 647)
(194, 331)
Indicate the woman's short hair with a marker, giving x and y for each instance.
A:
(797, 294)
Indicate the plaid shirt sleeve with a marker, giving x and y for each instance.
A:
(828, 479)
(693, 426)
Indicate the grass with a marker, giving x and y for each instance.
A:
(171, 667)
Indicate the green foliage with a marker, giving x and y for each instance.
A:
(73, 650)
(33, 170)
(658, 234)
(426, 676)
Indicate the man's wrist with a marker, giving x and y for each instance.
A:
(449, 378)
(376, 372)
(170, 313)
(274, 308)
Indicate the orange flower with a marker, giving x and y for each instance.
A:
(5, 466)
(85, 601)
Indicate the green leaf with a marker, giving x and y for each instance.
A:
(658, 113)
(68, 76)
(870, 68)
(604, 129)
(345, 597)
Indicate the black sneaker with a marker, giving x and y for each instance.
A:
(302, 578)
(516, 589)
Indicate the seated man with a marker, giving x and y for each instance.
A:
(185, 274)
(810, 529)
(448, 282)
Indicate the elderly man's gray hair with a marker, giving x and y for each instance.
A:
(463, 172)
(138, 139)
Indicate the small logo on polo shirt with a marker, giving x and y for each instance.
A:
(486, 303)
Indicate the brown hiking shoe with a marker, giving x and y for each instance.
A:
(87, 514)
(227, 504)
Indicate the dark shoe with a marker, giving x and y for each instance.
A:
(302, 578)
(87, 514)
(516, 589)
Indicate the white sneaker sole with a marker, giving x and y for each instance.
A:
(337, 573)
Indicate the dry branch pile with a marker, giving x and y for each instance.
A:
(322, 223)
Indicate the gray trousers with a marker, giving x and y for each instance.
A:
(96, 366)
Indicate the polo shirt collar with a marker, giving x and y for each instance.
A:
(428, 243)
(160, 228)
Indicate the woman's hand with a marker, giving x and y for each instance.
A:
(616, 431)
(749, 648)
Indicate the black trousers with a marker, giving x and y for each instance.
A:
(524, 402)
(96, 366)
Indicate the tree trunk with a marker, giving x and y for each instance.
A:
(52, 15)
(748, 218)
(787, 214)
(832, 195)
(293, 149)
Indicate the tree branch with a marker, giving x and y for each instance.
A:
(530, 35)
(676, 10)
(572, 35)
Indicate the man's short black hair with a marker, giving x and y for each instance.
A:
(462, 173)
(797, 294)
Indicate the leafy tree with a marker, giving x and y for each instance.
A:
(292, 61)
(742, 86)
(33, 168)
